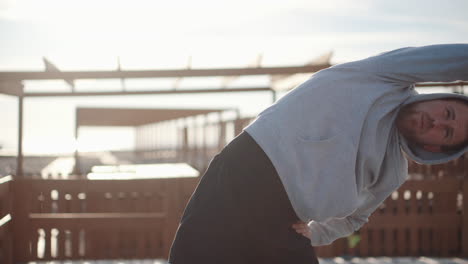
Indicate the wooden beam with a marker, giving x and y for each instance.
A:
(186, 91)
(95, 220)
(19, 76)
(108, 216)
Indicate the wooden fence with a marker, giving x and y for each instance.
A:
(91, 219)
(428, 215)
(424, 217)
(109, 219)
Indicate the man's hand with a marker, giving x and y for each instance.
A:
(302, 229)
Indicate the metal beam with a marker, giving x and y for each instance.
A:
(19, 76)
(50, 67)
(135, 116)
(187, 91)
(11, 88)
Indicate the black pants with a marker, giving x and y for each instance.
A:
(240, 213)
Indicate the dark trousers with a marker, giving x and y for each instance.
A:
(240, 213)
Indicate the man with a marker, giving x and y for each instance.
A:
(327, 154)
(437, 126)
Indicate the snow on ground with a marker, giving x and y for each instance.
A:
(397, 260)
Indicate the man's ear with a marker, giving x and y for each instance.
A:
(432, 148)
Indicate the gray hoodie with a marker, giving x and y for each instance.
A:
(333, 140)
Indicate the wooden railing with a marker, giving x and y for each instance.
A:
(91, 219)
(86, 219)
(423, 217)
(137, 219)
(6, 236)
(198, 158)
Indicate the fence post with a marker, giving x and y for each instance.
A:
(238, 126)
(21, 227)
(172, 213)
(465, 219)
(6, 235)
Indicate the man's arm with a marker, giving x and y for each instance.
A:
(324, 233)
(435, 63)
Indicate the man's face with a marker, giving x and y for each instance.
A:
(434, 124)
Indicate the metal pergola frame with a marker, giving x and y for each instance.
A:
(11, 83)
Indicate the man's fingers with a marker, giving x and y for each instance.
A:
(299, 224)
(302, 228)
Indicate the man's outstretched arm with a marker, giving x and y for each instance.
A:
(434, 63)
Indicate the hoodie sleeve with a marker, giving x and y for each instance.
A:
(435, 63)
(391, 178)
(324, 233)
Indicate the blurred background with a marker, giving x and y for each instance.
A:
(101, 35)
(108, 163)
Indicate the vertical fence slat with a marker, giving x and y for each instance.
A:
(425, 242)
(414, 241)
(61, 244)
(75, 242)
(465, 219)
(364, 244)
(389, 242)
(22, 233)
(140, 243)
(47, 236)
(172, 220)
(91, 249)
(33, 242)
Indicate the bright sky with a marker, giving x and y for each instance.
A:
(91, 35)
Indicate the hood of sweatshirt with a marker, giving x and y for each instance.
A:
(421, 155)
